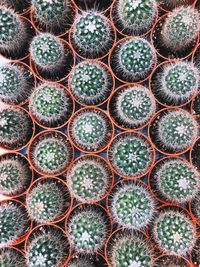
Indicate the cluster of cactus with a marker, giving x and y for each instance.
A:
(174, 232)
(10, 257)
(90, 83)
(132, 206)
(13, 222)
(89, 179)
(180, 28)
(170, 261)
(79, 262)
(51, 105)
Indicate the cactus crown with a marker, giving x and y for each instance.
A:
(10, 257)
(174, 232)
(78, 262)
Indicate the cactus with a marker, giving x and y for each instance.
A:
(13, 222)
(47, 247)
(177, 130)
(132, 206)
(170, 261)
(89, 179)
(132, 106)
(196, 253)
(130, 248)
(90, 83)
(15, 127)
(130, 155)
(10, 257)
(180, 28)
(47, 52)
(17, 5)
(170, 4)
(87, 230)
(174, 232)
(176, 180)
(195, 205)
(51, 105)
(79, 262)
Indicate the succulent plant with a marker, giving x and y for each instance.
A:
(180, 28)
(170, 261)
(47, 247)
(195, 255)
(13, 222)
(90, 129)
(176, 180)
(87, 229)
(10, 257)
(130, 248)
(79, 262)
(15, 127)
(90, 83)
(174, 232)
(89, 178)
(132, 206)
(195, 206)
(132, 106)
(130, 154)
(51, 105)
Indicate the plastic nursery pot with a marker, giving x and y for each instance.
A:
(195, 106)
(58, 75)
(107, 134)
(110, 77)
(162, 50)
(63, 187)
(65, 117)
(178, 260)
(100, 5)
(166, 6)
(98, 260)
(114, 113)
(30, 173)
(194, 154)
(55, 135)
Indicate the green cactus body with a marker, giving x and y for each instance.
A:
(132, 206)
(130, 249)
(180, 28)
(89, 179)
(80, 263)
(174, 232)
(47, 51)
(90, 83)
(170, 261)
(195, 205)
(10, 257)
(177, 130)
(13, 222)
(177, 180)
(51, 105)
(130, 155)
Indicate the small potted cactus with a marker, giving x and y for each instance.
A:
(89, 178)
(14, 223)
(15, 174)
(90, 129)
(194, 154)
(88, 227)
(50, 153)
(134, 17)
(129, 248)
(21, 7)
(171, 261)
(12, 257)
(131, 155)
(195, 255)
(91, 82)
(132, 59)
(131, 205)
(16, 83)
(51, 105)
(174, 84)
(92, 35)
(16, 128)
(131, 106)
(47, 245)
(173, 131)
(174, 180)
(48, 200)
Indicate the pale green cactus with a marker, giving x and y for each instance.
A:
(10, 257)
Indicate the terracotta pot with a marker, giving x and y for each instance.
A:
(99, 260)
(181, 261)
(164, 8)
(194, 159)
(102, 6)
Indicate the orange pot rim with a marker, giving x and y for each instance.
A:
(189, 264)
(15, 248)
(193, 3)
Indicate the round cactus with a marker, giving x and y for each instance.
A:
(174, 232)
(15, 127)
(51, 105)
(10, 257)
(13, 222)
(130, 248)
(132, 206)
(195, 255)
(170, 261)
(88, 229)
(134, 17)
(79, 262)
(195, 206)
(90, 83)
(175, 180)
(89, 179)
(15, 174)
(131, 155)
(90, 129)
(132, 106)
(47, 246)
(180, 28)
